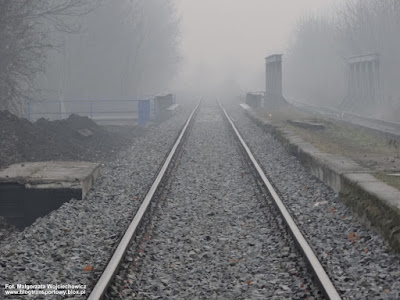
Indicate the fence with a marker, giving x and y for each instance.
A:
(131, 111)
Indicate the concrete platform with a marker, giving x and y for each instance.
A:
(32, 190)
(306, 124)
(373, 200)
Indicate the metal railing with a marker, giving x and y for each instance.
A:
(140, 111)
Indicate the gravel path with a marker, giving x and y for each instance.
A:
(357, 260)
(62, 247)
(213, 236)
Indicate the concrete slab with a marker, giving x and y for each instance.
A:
(395, 174)
(173, 107)
(388, 194)
(306, 124)
(245, 106)
(344, 164)
(306, 147)
(360, 177)
(31, 190)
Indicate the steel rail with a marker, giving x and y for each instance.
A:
(116, 259)
(323, 279)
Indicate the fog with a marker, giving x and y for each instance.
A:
(135, 49)
(121, 51)
(224, 42)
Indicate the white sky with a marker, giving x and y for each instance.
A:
(228, 39)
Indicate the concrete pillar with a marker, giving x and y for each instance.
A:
(273, 76)
(279, 78)
(377, 79)
(359, 81)
(352, 80)
(364, 86)
(356, 81)
(371, 82)
(366, 82)
(267, 77)
(273, 69)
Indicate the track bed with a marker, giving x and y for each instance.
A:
(214, 236)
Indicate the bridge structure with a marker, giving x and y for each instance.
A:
(364, 89)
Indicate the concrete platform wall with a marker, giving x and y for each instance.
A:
(375, 202)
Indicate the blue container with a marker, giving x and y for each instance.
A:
(144, 112)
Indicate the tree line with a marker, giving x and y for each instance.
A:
(317, 61)
(85, 49)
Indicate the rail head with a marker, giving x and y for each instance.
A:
(113, 265)
(326, 284)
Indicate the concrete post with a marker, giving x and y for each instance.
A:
(363, 90)
(378, 95)
(273, 77)
(370, 88)
(144, 112)
(352, 80)
(279, 77)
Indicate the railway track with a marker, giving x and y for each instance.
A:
(324, 282)
(116, 259)
(200, 201)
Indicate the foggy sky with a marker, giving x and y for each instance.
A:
(228, 39)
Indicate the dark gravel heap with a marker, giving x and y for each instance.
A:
(215, 237)
(22, 141)
(354, 256)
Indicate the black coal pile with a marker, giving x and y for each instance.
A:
(75, 138)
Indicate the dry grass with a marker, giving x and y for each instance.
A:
(346, 140)
(390, 180)
(367, 148)
(280, 116)
(337, 138)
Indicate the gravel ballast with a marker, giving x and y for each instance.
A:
(72, 244)
(214, 236)
(355, 257)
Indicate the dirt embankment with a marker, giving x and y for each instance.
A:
(75, 138)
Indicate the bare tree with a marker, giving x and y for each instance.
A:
(314, 65)
(25, 28)
(373, 26)
(126, 49)
(317, 61)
